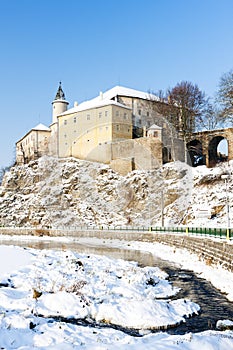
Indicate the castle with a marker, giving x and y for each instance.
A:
(121, 127)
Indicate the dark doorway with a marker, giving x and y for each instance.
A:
(195, 152)
(167, 157)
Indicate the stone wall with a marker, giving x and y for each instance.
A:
(143, 153)
(210, 139)
(127, 155)
(209, 250)
(122, 166)
(213, 252)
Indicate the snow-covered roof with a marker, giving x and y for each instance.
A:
(154, 126)
(107, 98)
(128, 92)
(60, 100)
(41, 127)
(94, 103)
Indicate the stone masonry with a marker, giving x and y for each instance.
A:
(207, 142)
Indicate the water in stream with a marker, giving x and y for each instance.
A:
(214, 305)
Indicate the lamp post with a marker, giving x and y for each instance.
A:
(225, 177)
(162, 208)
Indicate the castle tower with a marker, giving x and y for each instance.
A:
(59, 103)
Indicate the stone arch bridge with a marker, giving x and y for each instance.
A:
(203, 147)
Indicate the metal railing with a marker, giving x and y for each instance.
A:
(221, 233)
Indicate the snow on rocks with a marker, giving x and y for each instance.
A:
(104, 290)
(67, 305)
(84, 286)
(51, 192)
(145, 314)
(224, 324)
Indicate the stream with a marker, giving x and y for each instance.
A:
(214, 305)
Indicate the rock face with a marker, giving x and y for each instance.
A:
(71, 192)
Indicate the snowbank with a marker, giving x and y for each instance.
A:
(89, 287)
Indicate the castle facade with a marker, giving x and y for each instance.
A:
(121, 127)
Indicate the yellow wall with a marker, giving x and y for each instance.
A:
(83, 134)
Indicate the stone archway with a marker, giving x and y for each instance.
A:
(210, 140)
(195, 152)
(214, 155)
(167, 157)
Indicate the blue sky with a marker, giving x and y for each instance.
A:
(93, 45)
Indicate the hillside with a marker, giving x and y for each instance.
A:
(72, 192)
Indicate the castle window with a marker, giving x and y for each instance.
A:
(118, 127)
(88, 117)
(65, 136)
(75, 119)
(117, 113)
(65, 122)
(106, 113)
(100, 114)
(125, 116)
(148, 114)
(139, 112)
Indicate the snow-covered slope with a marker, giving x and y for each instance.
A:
(72, 192)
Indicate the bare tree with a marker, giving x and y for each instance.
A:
(225, 97)
(185, 107)
(191, 103)
(211, 118)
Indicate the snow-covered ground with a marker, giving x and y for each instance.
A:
(43, 289)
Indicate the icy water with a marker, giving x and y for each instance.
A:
(214, 305)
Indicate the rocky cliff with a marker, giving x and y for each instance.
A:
(70, 192)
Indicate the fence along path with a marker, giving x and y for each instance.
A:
(211, 245)
(222, 233)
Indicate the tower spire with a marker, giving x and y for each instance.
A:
(59, 103)
(60, 93)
